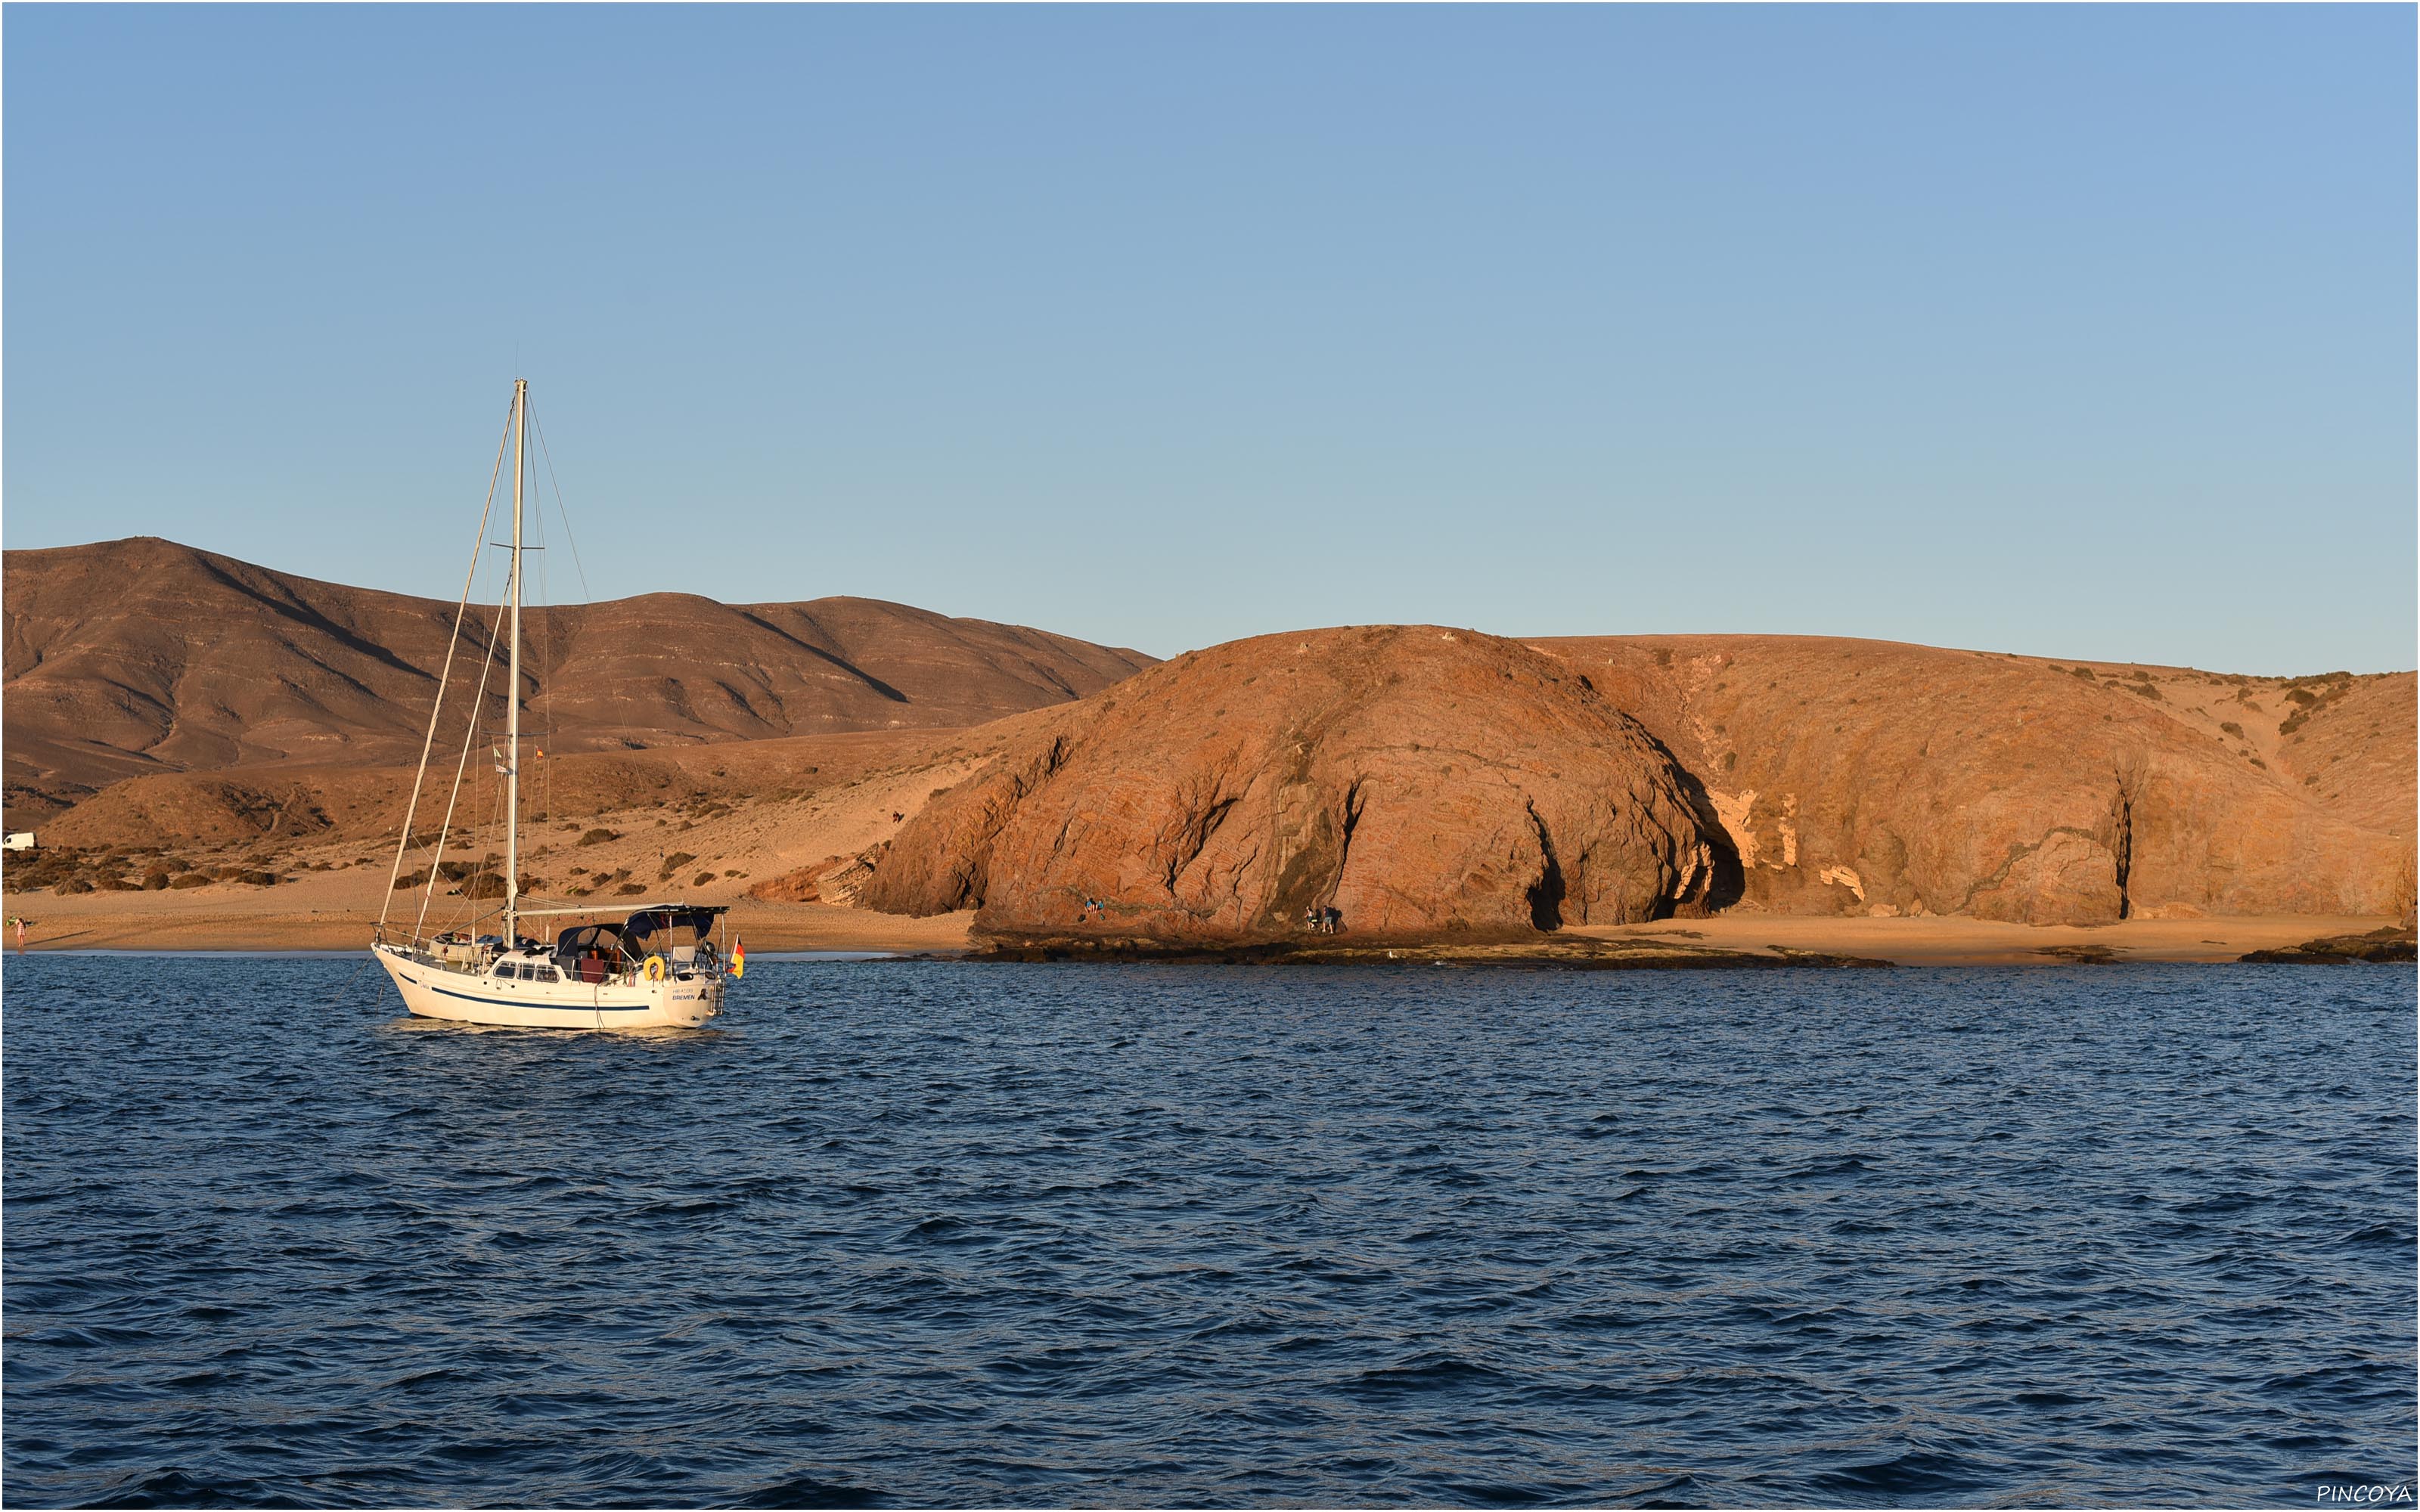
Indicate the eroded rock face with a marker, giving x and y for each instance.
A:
(1859, 777)
(1219, 797)
(1416, 778)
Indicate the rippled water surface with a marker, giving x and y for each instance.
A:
(938, 1233)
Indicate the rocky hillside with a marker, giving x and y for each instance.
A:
(1424, 782)
(1427, 780)
(1872, 778)
(1416, 778)
(143, 656)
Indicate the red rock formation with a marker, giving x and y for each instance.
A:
(1417, 779)
(1866, 777)
(835, 879)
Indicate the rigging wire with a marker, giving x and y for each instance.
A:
(468, 891)
(429, 743)
(478, 700)
(564, 515)
(546, 657)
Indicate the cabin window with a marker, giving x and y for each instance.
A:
(505, 970)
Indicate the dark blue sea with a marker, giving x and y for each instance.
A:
(944, 1234)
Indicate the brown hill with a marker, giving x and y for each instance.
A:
(1872, 778)
(137, 657)
(1416, 778)
(1428, 780)
(1425, 784)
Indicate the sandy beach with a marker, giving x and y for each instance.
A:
(338, 911)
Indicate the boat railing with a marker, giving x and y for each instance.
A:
(477, 961)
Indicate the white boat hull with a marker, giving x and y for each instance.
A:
(433, 992)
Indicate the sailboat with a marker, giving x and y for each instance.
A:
(656, 966)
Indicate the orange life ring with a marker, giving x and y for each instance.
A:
(654, 969)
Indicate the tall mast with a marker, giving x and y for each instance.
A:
(513, 689)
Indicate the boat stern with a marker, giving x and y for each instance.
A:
(691, 1001)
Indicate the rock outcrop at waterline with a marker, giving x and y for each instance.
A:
(1428, 780)
(1418, 779)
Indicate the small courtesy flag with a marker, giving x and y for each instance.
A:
(739, 958)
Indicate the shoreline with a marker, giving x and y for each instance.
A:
(326, 915)
(1765, 941)
(247, 920)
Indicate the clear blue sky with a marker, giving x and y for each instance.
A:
(2074, 331)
